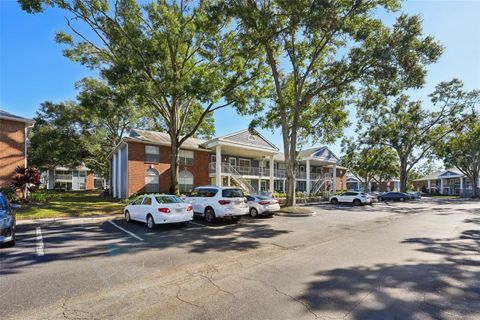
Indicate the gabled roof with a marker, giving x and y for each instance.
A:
(246, 138)
(441, 174)
(9, 116)
(162, 138)
(319, 153)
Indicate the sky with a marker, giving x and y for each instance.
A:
(33, 69)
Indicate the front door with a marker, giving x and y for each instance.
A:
(232, 162)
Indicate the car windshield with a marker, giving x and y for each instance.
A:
(168, 199)
(263, 198)
(232, 193)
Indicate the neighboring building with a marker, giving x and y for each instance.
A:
(449, 182)
(355, 183)
(141, 163)
(13, 145)
(80, 178)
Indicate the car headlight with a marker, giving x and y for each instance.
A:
(6, 221)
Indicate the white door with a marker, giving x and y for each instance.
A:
(145, 209)
(135, 208)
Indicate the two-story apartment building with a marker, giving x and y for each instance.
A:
(141, 163)
(13, 145)
(80, 178)
(448, 182)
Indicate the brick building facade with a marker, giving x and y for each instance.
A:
(13, 146)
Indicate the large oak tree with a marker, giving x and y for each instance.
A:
(319, 53)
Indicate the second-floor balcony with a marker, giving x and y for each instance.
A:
(262, 172)
(63, 176)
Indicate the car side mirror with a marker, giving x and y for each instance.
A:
(15, 206)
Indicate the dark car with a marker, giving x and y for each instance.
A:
(394, 196)
(7, 222)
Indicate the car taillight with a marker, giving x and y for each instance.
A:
(164, 210)
(224, 202)
(264, 202)
(189, 208)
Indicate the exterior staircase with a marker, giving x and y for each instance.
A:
(321, 182)
(237, 178)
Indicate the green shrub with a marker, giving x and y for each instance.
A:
(40, 197)
(10, 194)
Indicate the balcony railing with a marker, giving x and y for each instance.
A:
(261, 171)
(63, 176)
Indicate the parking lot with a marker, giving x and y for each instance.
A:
(416, 260)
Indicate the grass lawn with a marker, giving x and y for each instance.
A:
(71, 204)
(445, 197)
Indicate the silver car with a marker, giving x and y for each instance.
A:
(262, 205)
(7, 221)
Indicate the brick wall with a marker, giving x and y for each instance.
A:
(89, 181)
(137, 167)
(12, 149)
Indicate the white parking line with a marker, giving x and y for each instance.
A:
(40, 251)
(124, 230)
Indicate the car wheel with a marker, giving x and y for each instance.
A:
(236, 218)
(127, 216)
(150, 222)
(357, 202)
(402, 199)
(209, 215)
(253, 212)
(334, 201)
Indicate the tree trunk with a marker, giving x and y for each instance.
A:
(291, 199)
(474, 186)
(403, 175)
(174, 167)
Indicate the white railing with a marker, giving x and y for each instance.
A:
(246, 171)
(237, 177)
(322, 181)
(63, 176)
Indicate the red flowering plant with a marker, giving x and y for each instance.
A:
(26, 179)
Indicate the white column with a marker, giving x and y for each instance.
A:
(429, 186)
(119, 173)
(334, 178)
(218, 165)
(308, 176)
(461, 185)
(113, 177)
(271, 174)
(441, 186)
(229, 183)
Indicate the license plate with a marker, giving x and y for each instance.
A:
(178, 210)
(237, 202)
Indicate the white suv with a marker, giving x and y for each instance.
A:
(217, 202)
(355, 197)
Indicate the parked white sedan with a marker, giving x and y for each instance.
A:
(158, 209)
(262, 205)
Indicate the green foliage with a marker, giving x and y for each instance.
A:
(55, 139)
(370, 162)
(413, 131)
(462, 148)
(40, 197)
(320, 53)
(10, 194)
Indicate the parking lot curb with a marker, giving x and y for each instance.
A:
(285, 214)
(71, 220)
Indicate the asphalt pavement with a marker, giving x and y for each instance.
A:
(418, 260)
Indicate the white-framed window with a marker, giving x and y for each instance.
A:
(186, 157)
(213, 158)
(152, 154)
(244, 165)
(185, 181)
(151, 180)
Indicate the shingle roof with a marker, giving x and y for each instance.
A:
(162, 138)
(9, 116)
(436, 175)
(245, 137)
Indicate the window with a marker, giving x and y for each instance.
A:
(186, 157)
(185, 181)
(168, 199)
(138, 201)
(151, 181)
(82, 174)
(232, 193)
(3, 203)
(151, 154)
(213, 158)
(209, 193)
(147, 201)
(244, 165)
